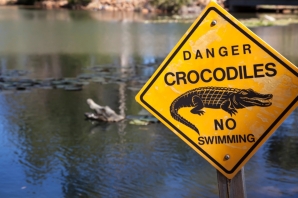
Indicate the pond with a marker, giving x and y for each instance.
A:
(48, 149)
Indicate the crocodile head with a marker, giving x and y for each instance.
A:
(249, 97)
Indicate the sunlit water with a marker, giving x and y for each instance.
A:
(47, 149)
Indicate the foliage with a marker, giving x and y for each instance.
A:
(70, 2)
(78, 2)
(170, 6)
(26, 2)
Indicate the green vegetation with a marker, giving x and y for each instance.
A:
(70, 2)
(78, 2)
(170, 6)
(27, 2)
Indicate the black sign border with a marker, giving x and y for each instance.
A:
(180, 132)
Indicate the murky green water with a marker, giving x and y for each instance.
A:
(47, 149)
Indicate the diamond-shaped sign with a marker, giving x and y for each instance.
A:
(222, 90)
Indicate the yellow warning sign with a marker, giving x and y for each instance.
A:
(222, 90)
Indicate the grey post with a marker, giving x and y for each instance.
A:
(231, 188)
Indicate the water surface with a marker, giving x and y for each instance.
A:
(47, 149)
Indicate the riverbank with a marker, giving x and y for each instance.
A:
(147, 6)
(144, 6)
(248, 19)
(254, 21)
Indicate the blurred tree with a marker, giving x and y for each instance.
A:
(77, 3)
(26, 2)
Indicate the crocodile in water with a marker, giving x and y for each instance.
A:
(227, 99)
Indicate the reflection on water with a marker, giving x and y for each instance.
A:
(274, 166)
(47, 149)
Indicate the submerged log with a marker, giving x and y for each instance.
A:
(102, 113)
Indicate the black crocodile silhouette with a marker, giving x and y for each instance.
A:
(227, 99)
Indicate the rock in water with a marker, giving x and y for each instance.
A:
(102, 113)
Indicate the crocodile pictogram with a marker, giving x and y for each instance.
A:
(227, 99)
